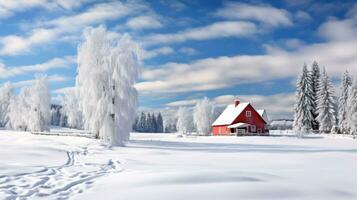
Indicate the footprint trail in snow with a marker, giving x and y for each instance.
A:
(61, 182)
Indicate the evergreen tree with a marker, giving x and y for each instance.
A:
(153, 123)
(303, 116)
(326, 104)
(142, 123)
(352, 108)
(160, 123)
(315, 83)
(136, 124)
(342, 109)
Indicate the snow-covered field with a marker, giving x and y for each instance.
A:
(162, 166)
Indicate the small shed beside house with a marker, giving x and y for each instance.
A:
(241, 119)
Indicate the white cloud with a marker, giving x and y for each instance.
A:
(224, 71)
(10, 7)
(64, 90)
(64, 62)
(52, 79)
(265, 14)
(339, 29)
(187, 51)
(190, 102)
(144, 22)
(64, 27)
(148, 54)
(212, 31)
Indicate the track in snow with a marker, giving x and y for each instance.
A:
(61, 182)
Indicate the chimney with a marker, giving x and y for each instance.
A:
(236, 102)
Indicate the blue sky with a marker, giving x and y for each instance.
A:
(252, 50)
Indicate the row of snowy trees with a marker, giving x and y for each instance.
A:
(30, 109)
(149, 122)
(104, 100)
(318, 109)
(200, 119)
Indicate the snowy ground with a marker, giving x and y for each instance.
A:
(162, 166)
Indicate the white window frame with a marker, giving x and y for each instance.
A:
(253, 128)
(248, 113)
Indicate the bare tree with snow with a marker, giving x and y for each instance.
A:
(30, 109)
(6, 93)
(40, 102)
(343, 100)
(183, 120)
(71, 109)
(352, 108)
(326, 105)
(202, 116)
(303, 115)
(19, 109)
(107, 71)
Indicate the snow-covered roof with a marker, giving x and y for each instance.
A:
(264, 115)
(238, 125)
(230, 114)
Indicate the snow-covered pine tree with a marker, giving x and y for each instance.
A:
(343, 100)
(202, 116)
(6, 93)
(149, 123)
(153, 123)
(326, 105)
(352, 108)
(107, 71)
(71, 109)
(315, 84)
(160, 123)
(142, 123)
(183, 120)
(303, 117)
(136, 124)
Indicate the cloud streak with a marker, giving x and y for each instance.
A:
(221, 29)
(65, 62)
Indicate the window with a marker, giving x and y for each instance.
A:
(248, 114)
(253, 128)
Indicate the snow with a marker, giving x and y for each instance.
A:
(229, 114)
(263, 114)
(164, 166)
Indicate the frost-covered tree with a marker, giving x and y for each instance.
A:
(71, 109)
(315, 84)
(202, 116)
(343, 100)
(326, 105)
(352, 108)
(6, 93)
(30, 109)
(40, 102)
(303, 116)
(107, 71)
(183, 120)
(19, 110)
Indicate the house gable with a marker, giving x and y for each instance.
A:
(255, 118)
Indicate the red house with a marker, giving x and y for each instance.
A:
(241, 119)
